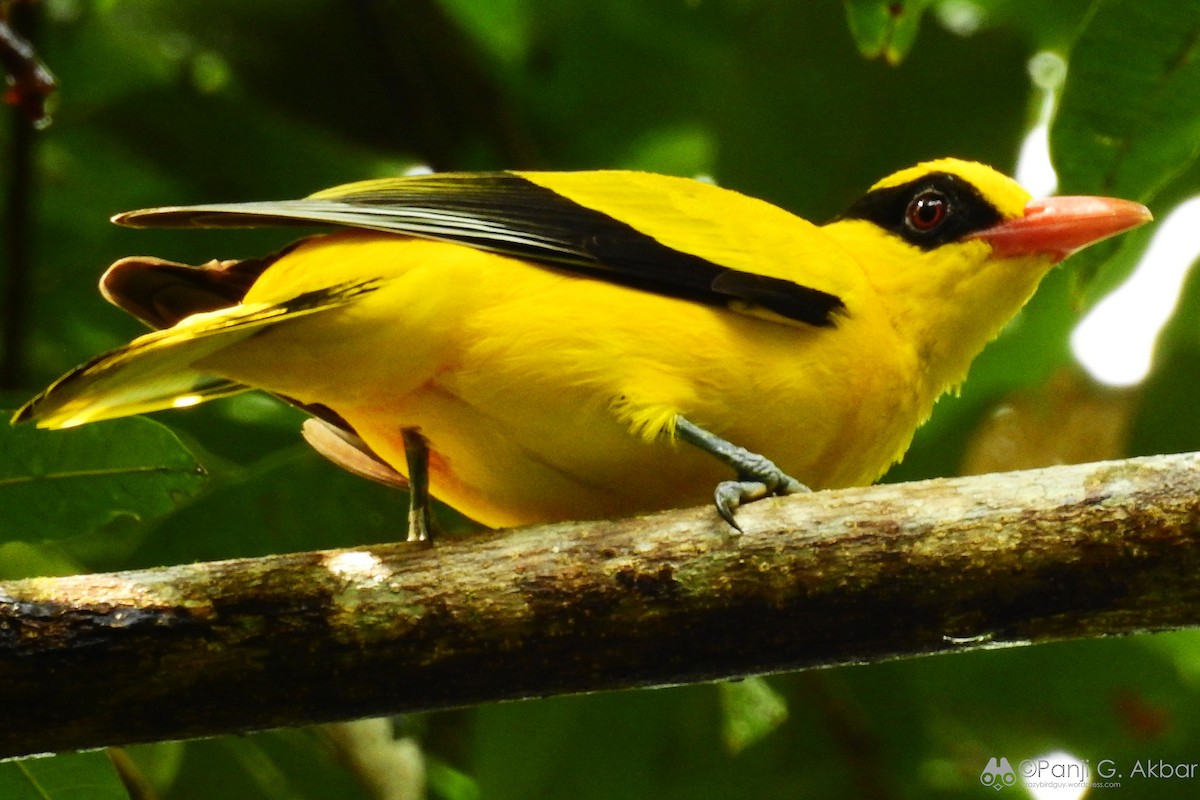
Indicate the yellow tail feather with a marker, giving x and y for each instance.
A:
(157, 371)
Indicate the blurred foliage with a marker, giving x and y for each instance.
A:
(885, 28)
(171, 102)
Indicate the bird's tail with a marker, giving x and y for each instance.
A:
(159, 370)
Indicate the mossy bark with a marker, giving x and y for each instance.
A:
(831, 578)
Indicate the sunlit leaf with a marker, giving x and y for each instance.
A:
(751, 709)
(450, 783)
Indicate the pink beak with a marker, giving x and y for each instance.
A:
(1059, 226)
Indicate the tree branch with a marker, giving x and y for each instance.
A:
(830, 578)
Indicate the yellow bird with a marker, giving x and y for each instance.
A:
(540, 346)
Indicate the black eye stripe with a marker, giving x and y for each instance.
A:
(965, 210)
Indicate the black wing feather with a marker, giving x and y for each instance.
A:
(505, 213)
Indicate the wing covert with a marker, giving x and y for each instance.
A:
(506, 212)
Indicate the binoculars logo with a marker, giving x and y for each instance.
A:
(998, 773)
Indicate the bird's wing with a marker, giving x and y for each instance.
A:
(605, 224)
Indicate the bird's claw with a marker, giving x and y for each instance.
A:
(731, 495)
(758, 476)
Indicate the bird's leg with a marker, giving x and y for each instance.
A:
(416, 454)
(758, 476)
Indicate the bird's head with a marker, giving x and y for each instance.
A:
(953, 249)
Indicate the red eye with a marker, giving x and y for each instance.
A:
(926, 211)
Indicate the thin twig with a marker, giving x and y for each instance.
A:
(30, 83)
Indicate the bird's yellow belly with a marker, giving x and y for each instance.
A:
(518, 439)
(545, 453)
(504, 475)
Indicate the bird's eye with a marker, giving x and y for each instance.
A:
(926, 211)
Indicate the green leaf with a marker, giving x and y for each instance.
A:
(77, 776)
(450, 783)
(1128, 122)
(62, 483)
(1129, 117)
(751, 709)
(885, 29)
